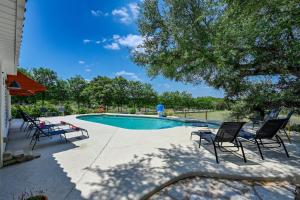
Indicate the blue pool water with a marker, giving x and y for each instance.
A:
(137, 123)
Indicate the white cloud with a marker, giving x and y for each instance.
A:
(81, 62)
(88, 70)
(115, 37)
(131, 41)
(97, 13)
(128, 74)
(127, 14)
(123, 15)
(85, 41)
(103, 40)
(99, 41)
(112, 46)
(135, 10)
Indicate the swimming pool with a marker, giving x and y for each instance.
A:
(136, 122)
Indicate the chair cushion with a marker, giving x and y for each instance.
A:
(56, 132)
(246, 135)
(75, 128)
(206, 135)
(42, 124)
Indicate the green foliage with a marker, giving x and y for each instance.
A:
(169, 112)
(181, 100)
(61, 91)
(48, 78)
(210, 103)
(68, 109)
(176, 99)
(239, 110)
(34, 109)
(132, 111)
(82, 111)
(120, 86)
(116, 92)
(14, 111)
(231, 45)
(119, 91)
(77, 85)
(295, 127)
(100, 91)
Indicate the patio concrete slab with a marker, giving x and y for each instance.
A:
(201, 188)
(116, 163)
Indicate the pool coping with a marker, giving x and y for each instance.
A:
(185, 120)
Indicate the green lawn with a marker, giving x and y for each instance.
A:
(225, 115)
(215, 115)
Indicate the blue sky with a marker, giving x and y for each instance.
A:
(89, 38)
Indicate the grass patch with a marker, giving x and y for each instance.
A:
(224, 115)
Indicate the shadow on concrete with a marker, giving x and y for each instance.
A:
(43, 174)
(133, 179)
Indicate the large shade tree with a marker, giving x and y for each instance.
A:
(77, 84)
(100, 91)
(48, 78)
(120, 97)
(242, 47)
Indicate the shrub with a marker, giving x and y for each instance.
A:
(14, 111)
(169, 112)
(132, 111)
(239, 110)
(93, 110)
(68, 109)
(82, 111)
(34, 110)
(295, 127)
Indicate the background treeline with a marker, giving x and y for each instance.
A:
(118, 94)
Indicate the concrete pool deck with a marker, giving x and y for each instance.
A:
(116, 163)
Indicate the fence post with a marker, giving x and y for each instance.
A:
(206, 115)
(184, 113)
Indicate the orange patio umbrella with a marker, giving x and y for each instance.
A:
(27, 86)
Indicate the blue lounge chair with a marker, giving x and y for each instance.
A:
(40, 132)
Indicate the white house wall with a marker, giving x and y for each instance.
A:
(11, 28)
(4, 114)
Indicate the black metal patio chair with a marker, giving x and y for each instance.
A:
(26, 121)
(273, 114)
(267, 132)
(39, 132)
(45, 125)
(227, 133)
(288, 117)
